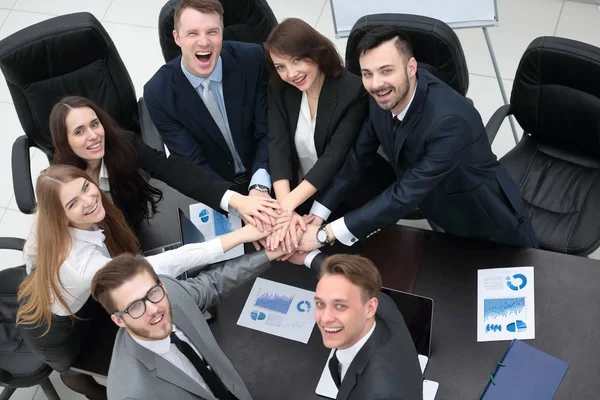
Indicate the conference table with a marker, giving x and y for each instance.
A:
(444, 268)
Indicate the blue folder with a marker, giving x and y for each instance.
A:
(528, 374)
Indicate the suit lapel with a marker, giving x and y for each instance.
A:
(292, 99)
(164, 369)
(328, 100)
(232, 83)
(193, 107)
(361, 360)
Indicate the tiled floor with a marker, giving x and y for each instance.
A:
(132, 24)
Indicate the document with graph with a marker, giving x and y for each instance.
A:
(280, 310)
(213, 224)
(505, 304)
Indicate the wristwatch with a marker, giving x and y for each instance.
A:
(260, 188)
(322, 236)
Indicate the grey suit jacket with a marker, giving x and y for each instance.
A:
(137, 373)
(387, 367)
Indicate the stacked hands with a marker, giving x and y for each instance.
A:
(277, 227)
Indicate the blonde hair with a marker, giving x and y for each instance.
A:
(41, 288)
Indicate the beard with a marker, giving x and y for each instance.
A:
(399, 94)
(147, 333)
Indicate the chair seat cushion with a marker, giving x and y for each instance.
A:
(561, 191)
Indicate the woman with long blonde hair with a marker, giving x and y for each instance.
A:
(78, 231)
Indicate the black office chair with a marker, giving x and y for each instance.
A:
(19, 367)
(245, 21)
(556, 100)
(435, 46)
(66, 55)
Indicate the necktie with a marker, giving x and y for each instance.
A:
(396, 124)
(334, 369)
(211, 379)
(210, 101)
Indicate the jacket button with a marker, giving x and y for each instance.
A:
(353, 240)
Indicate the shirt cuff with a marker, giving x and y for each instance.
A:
(310, 257)
(226, 199)
(320, 210)
(261, 177)
(341, 232)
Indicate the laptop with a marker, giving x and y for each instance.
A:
(188, 233)
(418, 316)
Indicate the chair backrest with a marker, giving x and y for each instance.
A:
(435, 46)
(245, 21)
(556, 94)
(66, 55)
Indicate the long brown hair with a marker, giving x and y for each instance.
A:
(295, 38)
(131, 193)
(41, 288)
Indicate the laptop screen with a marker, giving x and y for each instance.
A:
(418, 316)
(189, 232)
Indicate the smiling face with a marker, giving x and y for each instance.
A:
(82, 203)
(156, 323)
(341, 312)
(302, 73)
(200, 36)
(388, 76)
(85, 134)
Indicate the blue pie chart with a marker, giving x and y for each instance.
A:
(517, 326)
(257, 315)
(303, 306)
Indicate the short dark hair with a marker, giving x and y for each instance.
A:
(294, 37)
(359, 270)
(203, 6)
(114, 274)
(375, 37)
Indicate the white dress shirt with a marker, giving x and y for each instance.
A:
(338, 227)
(171, 353)
(89, 254)
(304, 138)
(346, 356)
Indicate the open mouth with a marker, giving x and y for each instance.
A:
(383, 93)
(95, 146)
(300, 80)
(157, 320)
(332, 331)
(93, 210)
(203, 56)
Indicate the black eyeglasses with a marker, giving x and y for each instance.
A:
(138, 307)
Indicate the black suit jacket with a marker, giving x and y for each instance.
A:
(189, 179)
(445, 166)
(187, 127)
(342, 109)
(387, 366)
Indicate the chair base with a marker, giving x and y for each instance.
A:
(7, 392)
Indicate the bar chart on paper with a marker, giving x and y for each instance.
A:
(280, 310)
(505, 304)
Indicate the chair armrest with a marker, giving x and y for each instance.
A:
(11, 243)
(150, 134)
(496, 120)
(21, 175)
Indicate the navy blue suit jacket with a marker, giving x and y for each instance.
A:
(445, 166)
(187, 127)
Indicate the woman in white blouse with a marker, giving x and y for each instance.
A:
(79, 229)
(316, 110)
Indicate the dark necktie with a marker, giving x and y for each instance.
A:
(396, 124)
(334, 369)
(211, 379)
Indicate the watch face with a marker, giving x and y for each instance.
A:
(322, 236)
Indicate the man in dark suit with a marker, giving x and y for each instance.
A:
(210, 104)
(373, 355)
(165, 349)
(437, 144)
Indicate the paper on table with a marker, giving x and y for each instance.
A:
(280, 310)
(212, 224)
(505, 304)
(326, 386)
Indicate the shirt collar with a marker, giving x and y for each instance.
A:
(160, 347)
(103, 181)
(403, 112)
(345, 356)
(95, 236)
(196, 81)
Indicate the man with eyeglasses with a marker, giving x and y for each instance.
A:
(165, 349)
